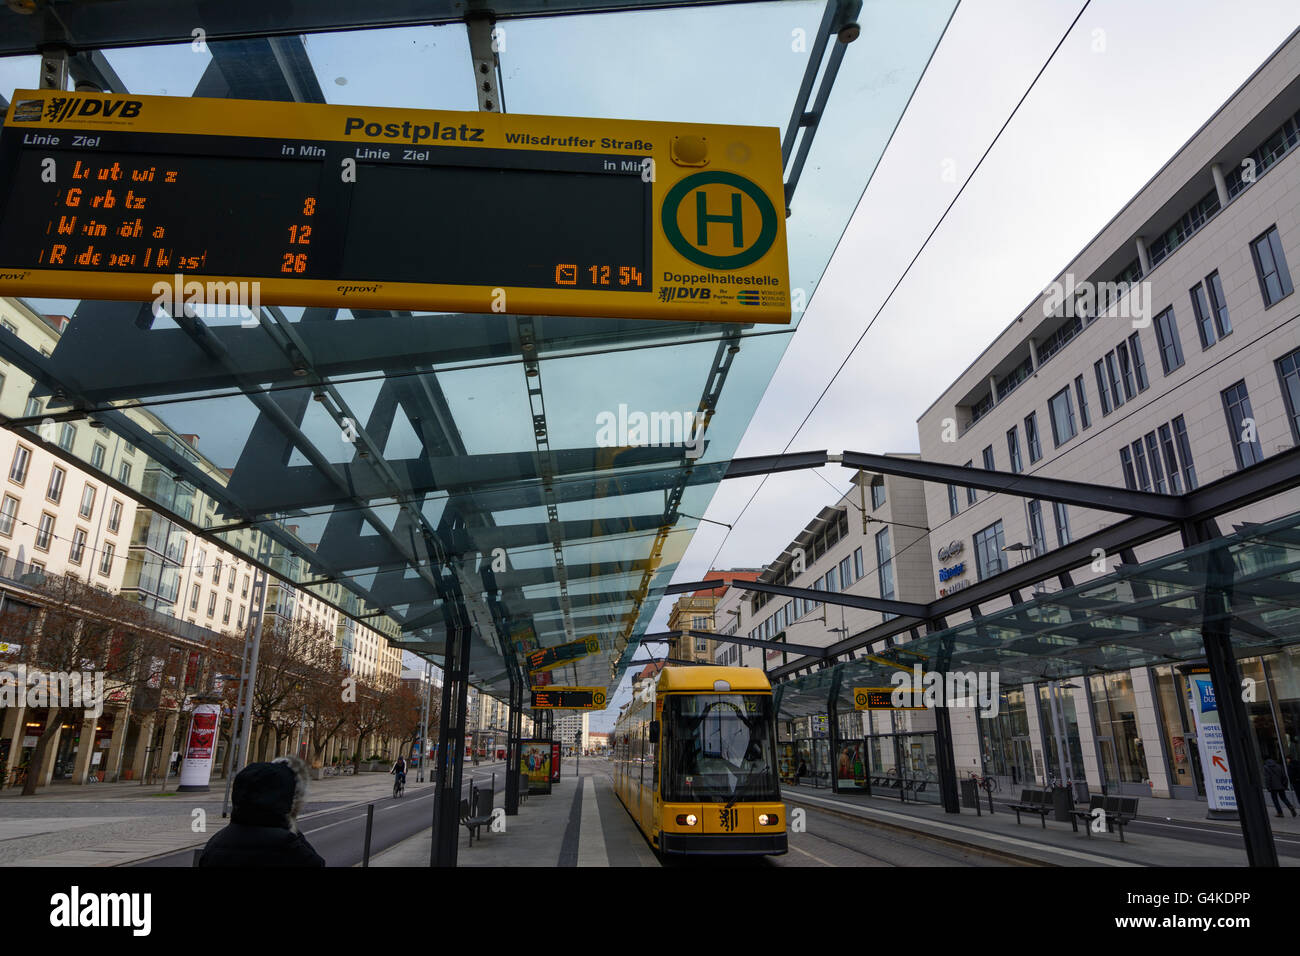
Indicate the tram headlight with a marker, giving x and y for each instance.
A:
(687, 819)
(768, 819)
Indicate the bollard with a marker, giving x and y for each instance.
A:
(370, 822)
(494, 784)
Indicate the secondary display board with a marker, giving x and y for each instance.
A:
(569, 698)
(105, 195)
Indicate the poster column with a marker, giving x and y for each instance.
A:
(1209, 737)
(200, 747)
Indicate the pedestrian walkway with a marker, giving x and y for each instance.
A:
(580, 823)
(1167, 833)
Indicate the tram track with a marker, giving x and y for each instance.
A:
(917, 848)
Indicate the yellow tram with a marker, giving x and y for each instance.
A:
(695, 763)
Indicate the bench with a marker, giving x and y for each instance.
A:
(1034, 801)
(472, 816)
(1118, 811)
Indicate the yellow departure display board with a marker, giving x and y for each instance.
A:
(882, 698)
(569, 698)
(109, 196)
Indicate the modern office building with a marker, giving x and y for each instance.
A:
(1165, 355)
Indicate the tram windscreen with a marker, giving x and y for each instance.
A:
(719, 748)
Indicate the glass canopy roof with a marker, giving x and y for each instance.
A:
(425, 470)
(1140, 615)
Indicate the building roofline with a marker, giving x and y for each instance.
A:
(1132, 199)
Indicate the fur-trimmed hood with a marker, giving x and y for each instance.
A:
(270, 794)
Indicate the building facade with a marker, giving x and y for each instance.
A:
(1164, 356)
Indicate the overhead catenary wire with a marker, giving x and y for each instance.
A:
(907, 270)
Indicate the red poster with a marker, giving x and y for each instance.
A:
(555, 763)
(203, 735)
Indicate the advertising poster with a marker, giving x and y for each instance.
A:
(200, 747)
(1209, 737)
(850, 770)
(555, 762)
(785, 762)
(535, 760)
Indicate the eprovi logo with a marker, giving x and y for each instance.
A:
(719, 220)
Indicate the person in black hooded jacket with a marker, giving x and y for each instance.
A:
(263, 828)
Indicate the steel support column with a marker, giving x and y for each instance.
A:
(1216, 633)
(451, 746)
(833, 718)
(514, 727)
(948, 790)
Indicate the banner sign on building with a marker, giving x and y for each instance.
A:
(549, 658)
(1209, 737)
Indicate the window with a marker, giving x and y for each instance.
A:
(1288, 373)
(33, 408)
(1061, 411)
(1031, 437)
(1171, 459)
(8, 512)
(97, 456)
(200, 560)
(128, 448)
(1112, 376)
(858, 568)
(1126, 462)
(115, 516)
(884, 565)
(970, 492)
(225, 617)
(988, 550)
(989, 464)
(212, 603)
(1140, 466)
(1061, 512)
(877, 494)
(1204, 320)
(846, 573)
(1153, 460)
(831, 579)
(1126, 372)
(67, 435)
(952, 501)
(194, 598)
(1139, 363)
(243, 591)
(216, 572)
(1037, 537)
(230, 581)
(1241, 425)
(1013, 449)
(78, 548)
(1101, 387)
(55, 490)
(1171, 350)
(1184, 453)
(1081, 393)
(1270, 267)
(1218, 304)
(87, 508)
(106, 561)
(124, 473)
(44, 531)
(18, 470)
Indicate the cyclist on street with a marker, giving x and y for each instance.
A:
(399, 768)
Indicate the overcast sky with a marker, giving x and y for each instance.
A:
(1130, 86)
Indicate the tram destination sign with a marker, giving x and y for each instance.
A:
(106, 196)
(569, 698)
(882, 698)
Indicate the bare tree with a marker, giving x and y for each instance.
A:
(71, 629)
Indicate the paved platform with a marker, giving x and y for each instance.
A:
(580, 823)
(1168, 832)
